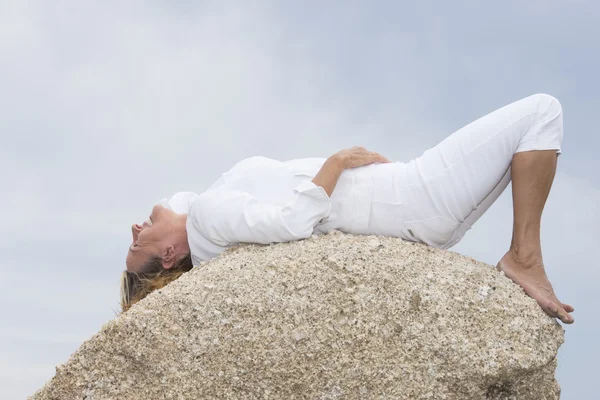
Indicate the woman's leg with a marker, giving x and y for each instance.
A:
(532, 176)
(459, 179)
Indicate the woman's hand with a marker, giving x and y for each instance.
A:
(349, 158)
(358, 156)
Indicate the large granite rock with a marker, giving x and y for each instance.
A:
(333, 316)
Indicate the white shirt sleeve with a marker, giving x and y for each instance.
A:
(180, 202)
(232, 216)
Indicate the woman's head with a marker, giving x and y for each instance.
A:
(163, 236)
(158, 254)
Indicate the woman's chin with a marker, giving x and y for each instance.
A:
(157, 211)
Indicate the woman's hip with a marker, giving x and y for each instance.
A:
(402, 207)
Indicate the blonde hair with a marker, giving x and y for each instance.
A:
(137, 285)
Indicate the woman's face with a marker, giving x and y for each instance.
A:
(152, 237)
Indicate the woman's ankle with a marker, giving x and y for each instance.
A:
(526, 255)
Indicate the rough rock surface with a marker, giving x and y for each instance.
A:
(331, 317)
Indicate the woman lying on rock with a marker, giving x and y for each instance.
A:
(434, 199)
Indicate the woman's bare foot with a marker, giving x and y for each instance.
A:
(530, 275)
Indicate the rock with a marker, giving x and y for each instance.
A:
(334, 316)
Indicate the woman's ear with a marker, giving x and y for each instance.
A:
(168, 257)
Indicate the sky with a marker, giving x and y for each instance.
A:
(109, 106)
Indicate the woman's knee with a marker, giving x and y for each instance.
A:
(550, 120)
(548, 104)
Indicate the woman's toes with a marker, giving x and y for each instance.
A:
(567, 307)
(560, 313)
(566, 318)
(569, 319)
(552, 309)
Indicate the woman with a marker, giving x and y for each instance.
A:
(434, 199)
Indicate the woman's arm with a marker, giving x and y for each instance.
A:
(234, 216)
(330, 173)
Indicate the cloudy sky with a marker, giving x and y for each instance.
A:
(109, 106)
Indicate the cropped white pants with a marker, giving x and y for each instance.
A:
(437, 197)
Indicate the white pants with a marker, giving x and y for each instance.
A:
(437, 197)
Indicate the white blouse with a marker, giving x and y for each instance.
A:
(262, 200)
